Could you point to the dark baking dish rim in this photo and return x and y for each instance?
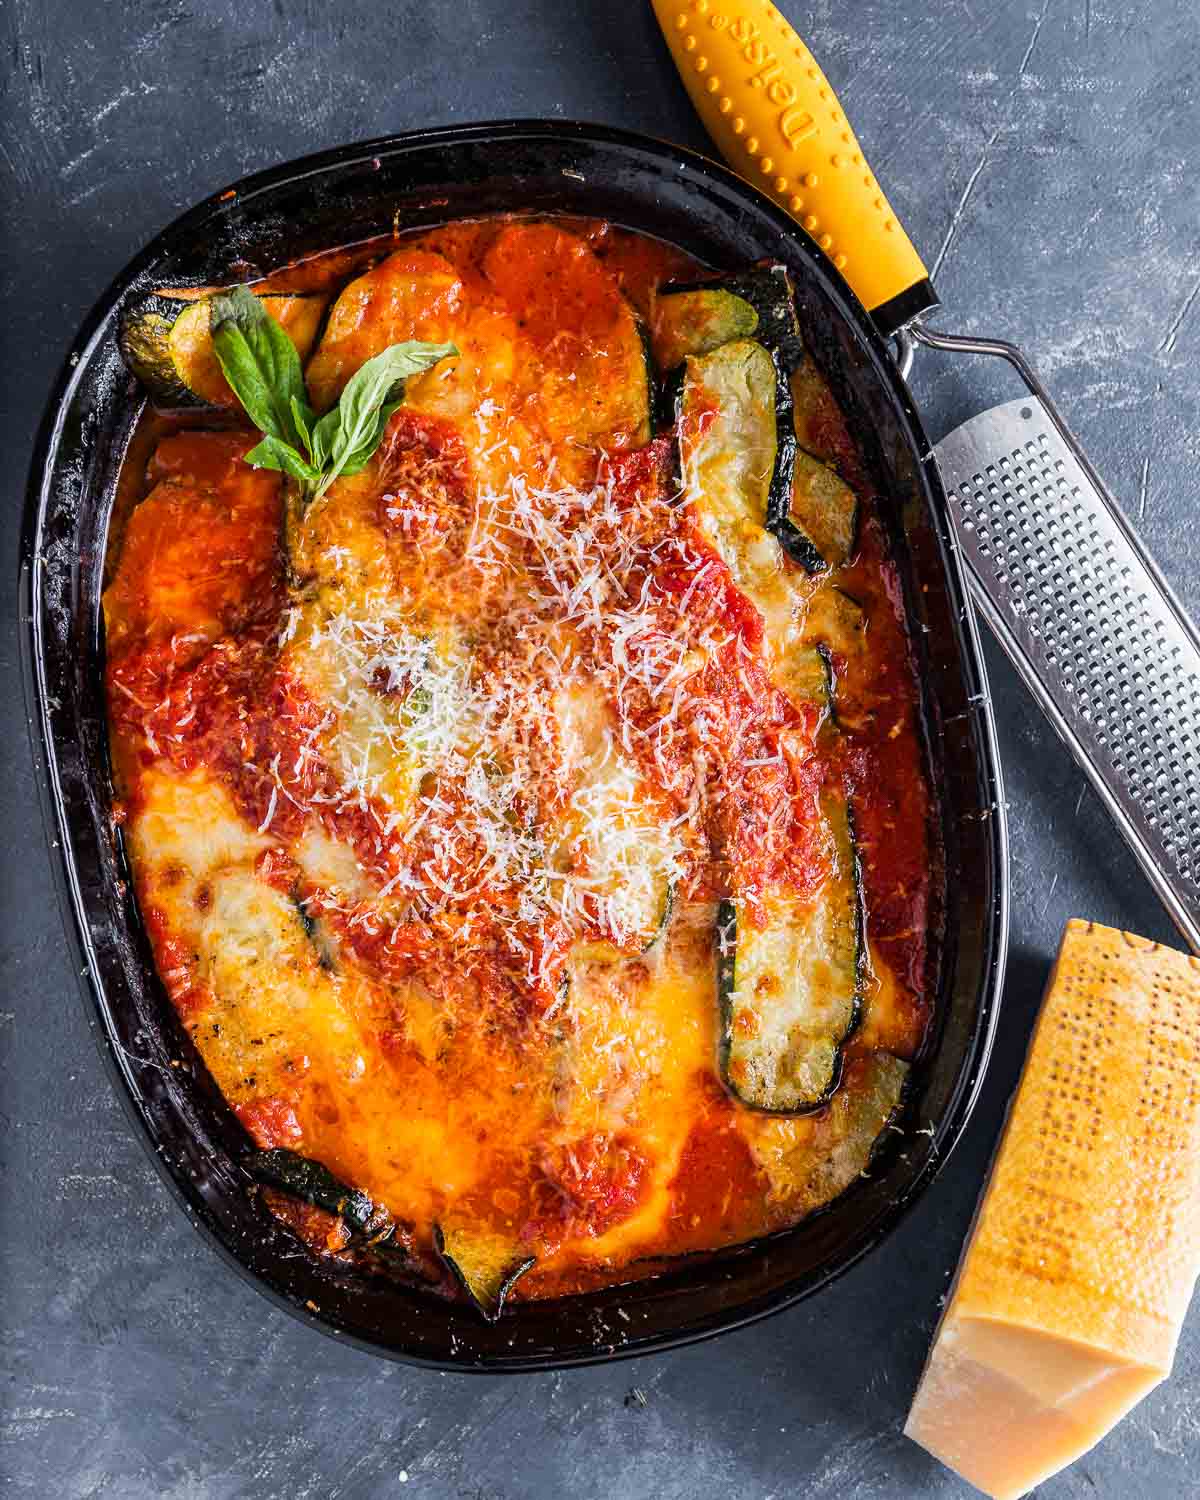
(465, 1346)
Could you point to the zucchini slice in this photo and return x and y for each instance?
(167, 343)
(372, 1228)
(300, 1177)
(837, 622)
(823, 509)
(699, 316)
(611, 839)
(697, 320)
(868, 1101)
(815, 516)
(654, 920)
(791, 991)
(820, 426)
(484, 1263)
(386, 683)
(731, 461)
(845, 1134)
(738, 453)
(794, 539)
(594, 380)
(631, 878)
(735, 469)
(806, 676)
(410, 294)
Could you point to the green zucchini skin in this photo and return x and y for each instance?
(837, 624)
(316, 935)
(373, 1231)
(823, 509)
(486, 1291)
(765, 289)
(795, 542)
(698, 319)
(668, 406)
(667, 914)
(796, 1070)
(770, 292)
(165, 341)
(143, 339)
(810, 679)
(743, 377)
(609, 953)
(300, 1177)
(653, 391)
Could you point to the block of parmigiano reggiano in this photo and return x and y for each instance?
(1078, 1271)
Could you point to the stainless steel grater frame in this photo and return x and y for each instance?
(1084, 615)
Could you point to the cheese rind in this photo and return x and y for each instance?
(1072, 1289)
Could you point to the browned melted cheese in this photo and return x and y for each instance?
(404, 818)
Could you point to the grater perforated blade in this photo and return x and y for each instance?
(1090, 625)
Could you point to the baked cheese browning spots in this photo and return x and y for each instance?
(433, 790)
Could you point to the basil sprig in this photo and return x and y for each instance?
(262, 366)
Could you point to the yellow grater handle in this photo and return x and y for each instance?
(778, 122)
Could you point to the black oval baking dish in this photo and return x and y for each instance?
(353, 194)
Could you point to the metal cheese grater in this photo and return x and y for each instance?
(1054, 567)
(1086, 618)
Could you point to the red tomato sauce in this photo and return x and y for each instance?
(885, 769)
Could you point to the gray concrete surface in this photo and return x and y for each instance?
(1046, 156)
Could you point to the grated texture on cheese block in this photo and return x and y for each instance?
(1070, 1295)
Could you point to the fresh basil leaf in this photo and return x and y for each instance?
(361, 457)
(324, 435)
(377, 383)
(259, 361)
(271, 453)
(305, 418)
(261, 364)
(355, 464)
